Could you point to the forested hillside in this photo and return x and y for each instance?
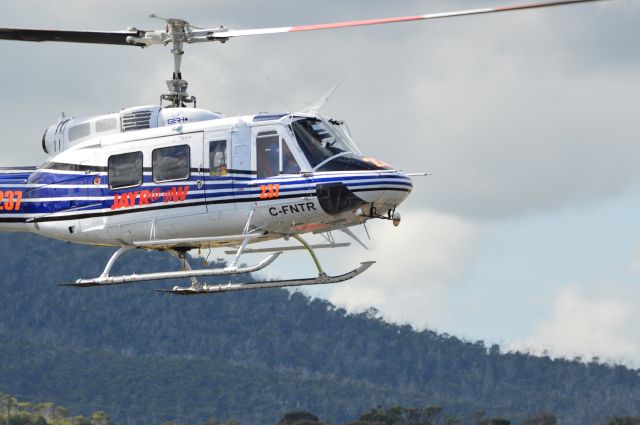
(147, 357)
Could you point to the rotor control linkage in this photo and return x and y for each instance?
(178, 32)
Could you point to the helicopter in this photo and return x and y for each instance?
(173, 177)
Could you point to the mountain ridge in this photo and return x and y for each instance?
(271, 349)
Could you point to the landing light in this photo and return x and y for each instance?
(396, 219)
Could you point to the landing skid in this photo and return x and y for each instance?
(322, 279)
(105, 279)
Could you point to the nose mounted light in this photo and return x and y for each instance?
(396, 219)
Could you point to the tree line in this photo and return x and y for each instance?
(17, 412)
(147, 357)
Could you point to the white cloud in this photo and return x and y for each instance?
(601, 322)
(634, 264)
(514, 113)
(417, 261)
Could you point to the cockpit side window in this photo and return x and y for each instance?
(171, 163)
(318, 141)
(125, 170)
(267, 154)
(218, 158)
(289, 163)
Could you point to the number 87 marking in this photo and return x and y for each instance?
(8, 202)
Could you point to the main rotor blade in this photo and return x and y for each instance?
(189, 34)
(95, 37)
(262, 31)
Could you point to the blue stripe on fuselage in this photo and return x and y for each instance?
(217, 187)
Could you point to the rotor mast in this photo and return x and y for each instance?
(178, 32)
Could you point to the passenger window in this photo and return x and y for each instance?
(218, 158)
(268, 154)
(172, 163)
(79, 131)
(289, 163)
(125, 170)
(106, 124)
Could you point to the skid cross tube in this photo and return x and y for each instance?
(114, 258)
(182, 257)
(313, 254)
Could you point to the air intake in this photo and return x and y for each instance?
(138, 120)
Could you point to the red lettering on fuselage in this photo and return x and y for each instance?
(119, 201)
(131, 198)
(175, 194)
(145, 197)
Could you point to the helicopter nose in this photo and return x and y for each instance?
(395, 187)
(397, 190)
(377, 193)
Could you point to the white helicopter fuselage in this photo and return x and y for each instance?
(199, 182)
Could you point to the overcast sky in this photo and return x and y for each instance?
(526, 234)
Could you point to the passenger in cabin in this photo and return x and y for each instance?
(217, 158)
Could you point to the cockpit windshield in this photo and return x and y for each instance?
(319, 140)
(341, 128)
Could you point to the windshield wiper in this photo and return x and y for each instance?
(330, 159)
